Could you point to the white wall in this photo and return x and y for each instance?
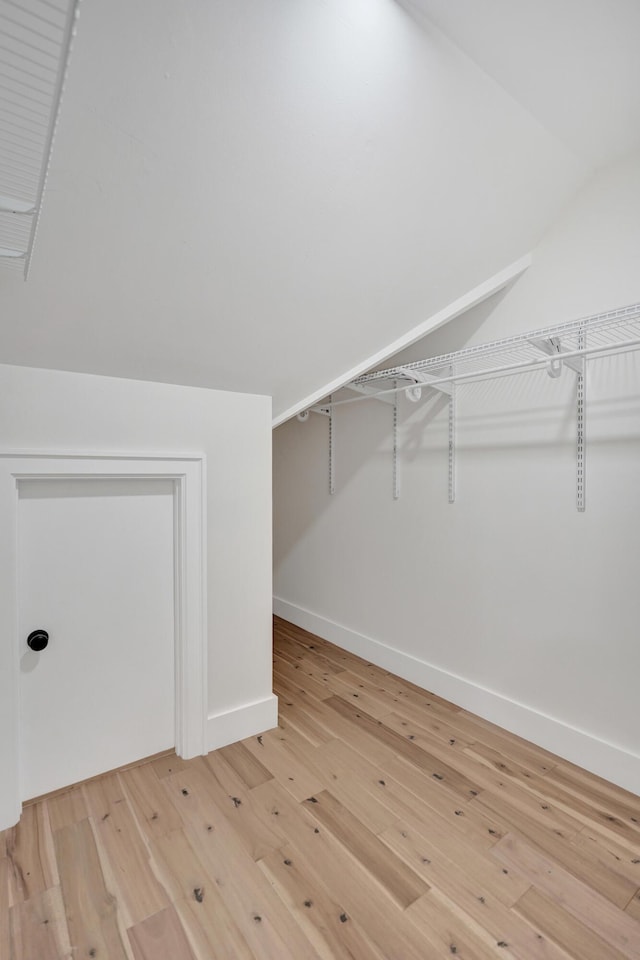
(324, 174)
(51, 411)
(509, 602)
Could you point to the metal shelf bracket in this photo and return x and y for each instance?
(414, 393)
(368, 392)
(552, 346)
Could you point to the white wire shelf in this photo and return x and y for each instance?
(602, 334)
(555, 348)
(35, 42)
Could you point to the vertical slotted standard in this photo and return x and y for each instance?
(332, 479)
(581, 410)
(396, 478)
(452, 443)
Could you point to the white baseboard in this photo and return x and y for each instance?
(605, 759)
(245, 721)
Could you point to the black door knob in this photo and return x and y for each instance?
(38, 640)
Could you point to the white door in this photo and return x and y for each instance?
(95, 568)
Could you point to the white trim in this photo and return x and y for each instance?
(188, 475)
(605, 759)
(41, 454)
(241, 722)
(470, 299)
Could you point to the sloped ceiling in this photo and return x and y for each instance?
(572, 64)
(254, 195)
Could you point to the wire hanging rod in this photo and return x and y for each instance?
(506, 370)
(596, 323)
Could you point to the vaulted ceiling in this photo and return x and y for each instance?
(572, 64)
(254, 195)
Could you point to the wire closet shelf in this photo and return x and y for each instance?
(553, 348)
(603, 334)
(35, 42)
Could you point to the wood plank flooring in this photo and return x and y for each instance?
(378, 821)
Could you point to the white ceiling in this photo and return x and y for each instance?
(573, 64)
(256, 194)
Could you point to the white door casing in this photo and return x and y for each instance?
(187, 475)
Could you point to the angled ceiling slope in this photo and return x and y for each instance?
(255, 195)
(572, 64)
(453, 310)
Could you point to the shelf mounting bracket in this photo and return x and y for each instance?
(414, 392)
(368, 392)
(552, 346)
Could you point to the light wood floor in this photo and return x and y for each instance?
(377, 821)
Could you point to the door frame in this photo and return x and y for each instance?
(188, 473)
